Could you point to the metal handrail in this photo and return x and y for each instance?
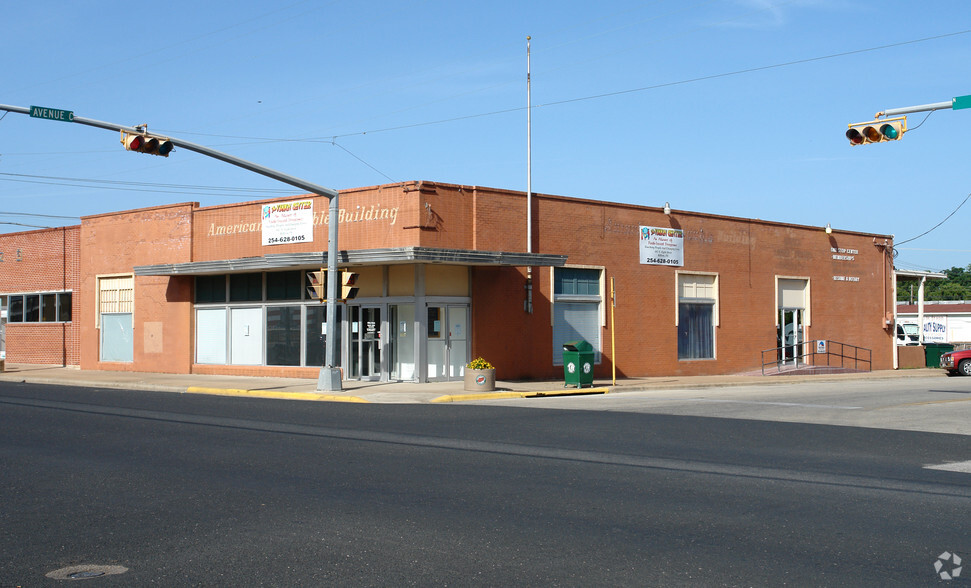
(817, 349)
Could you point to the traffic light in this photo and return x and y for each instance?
(877, 131)
(145, 143)
(348, 289)
(317, 284)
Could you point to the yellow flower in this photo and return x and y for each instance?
(479, 364)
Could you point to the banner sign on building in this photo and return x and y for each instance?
(288, 222)
(662, 246)
(935, 329)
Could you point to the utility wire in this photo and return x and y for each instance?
(38, 215)
(336, 144)
(26, 225)
(937, 225)
(138, 186)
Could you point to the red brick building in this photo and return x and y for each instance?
(445, 275)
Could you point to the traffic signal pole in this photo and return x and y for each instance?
(330, 376)
(922, 108)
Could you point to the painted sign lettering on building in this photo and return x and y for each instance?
(358, 214)
(662, 246)
(288, 222)
(841, 254)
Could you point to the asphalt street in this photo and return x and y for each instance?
(212, 491)
(930, 404)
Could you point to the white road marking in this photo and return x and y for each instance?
(954, 466)
(791, 404)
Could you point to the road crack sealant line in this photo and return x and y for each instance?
(507, 395)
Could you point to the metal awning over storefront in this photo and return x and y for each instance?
(393, 255)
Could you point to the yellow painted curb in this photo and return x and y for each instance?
(271, 394)
(507, 395)
(483, 396)
(568, 392)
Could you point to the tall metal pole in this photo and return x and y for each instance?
(329, 378)
(529, 182)
(529, 155)
(330, 375)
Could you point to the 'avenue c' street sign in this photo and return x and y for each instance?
(52, 113)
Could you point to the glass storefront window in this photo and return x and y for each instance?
(48, 309)
(32, 308)
(283, 335)
(315, 337)
(211, 288)
(45, 308)
(64, 307)
(15, 313)
(434, 322)
(283, 285)
(245, 287)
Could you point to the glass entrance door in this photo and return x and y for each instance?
(365, 342)
(448, 341)
(401, 341)
(790, 335)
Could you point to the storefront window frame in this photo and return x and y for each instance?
(293, 294)
(578, 289)
(56, 306)
(696, 303)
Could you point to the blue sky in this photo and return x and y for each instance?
(731, 107)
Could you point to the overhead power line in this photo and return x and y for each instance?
(139, 186)
(38, 215)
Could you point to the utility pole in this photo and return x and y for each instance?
(528, 304)
(330, 376)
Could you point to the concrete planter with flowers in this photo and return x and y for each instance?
(480, 376)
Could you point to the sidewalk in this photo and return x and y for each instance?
(396, 392)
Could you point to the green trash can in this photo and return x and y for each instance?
(577, 364)
(934, 351)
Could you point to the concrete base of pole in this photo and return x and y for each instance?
(329, 379)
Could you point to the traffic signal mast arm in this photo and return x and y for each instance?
(225, 157)
(330, 378)
(954, 104)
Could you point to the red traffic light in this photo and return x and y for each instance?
(146, 144)
(855, 136)
(134, 142)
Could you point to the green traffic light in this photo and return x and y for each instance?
(889, 131)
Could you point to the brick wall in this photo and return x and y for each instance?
(115, 243)
(848, 274)
(385, 216)
(42, 261)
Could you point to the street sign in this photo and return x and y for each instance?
(961, 102)
(52, 113)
